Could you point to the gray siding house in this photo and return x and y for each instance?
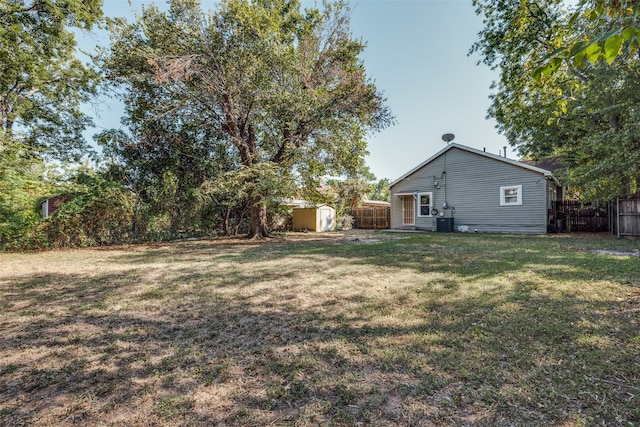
(472, 191)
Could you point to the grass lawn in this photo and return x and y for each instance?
(358, 328)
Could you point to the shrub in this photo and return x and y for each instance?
(280, 219)
(345, 222)
(104, 214)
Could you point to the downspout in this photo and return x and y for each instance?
(445, 204)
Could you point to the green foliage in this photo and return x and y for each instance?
(580, 109)
(280, 218)
(348, 193)
(164, 217)
(381, 191)
(102, 214)
(351, 193)
(18, 192)
(230, 193)
(600, 31)
(42, 83)
(164, 161)
(225, 205)
(25, 179)
(270, 91)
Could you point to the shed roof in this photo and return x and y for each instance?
(474, 151)
(315, 206)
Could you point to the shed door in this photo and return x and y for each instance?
(325, 219)
(408, 210)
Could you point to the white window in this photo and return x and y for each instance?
(425, 201)
(511, 195)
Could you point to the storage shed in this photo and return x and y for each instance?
(318, 218)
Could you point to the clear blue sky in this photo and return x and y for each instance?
(417, 55)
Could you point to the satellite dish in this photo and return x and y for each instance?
(448, 137)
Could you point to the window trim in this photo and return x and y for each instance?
(503, 201)
(430, 193)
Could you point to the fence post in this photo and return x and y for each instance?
(618, 217)
(610, 216)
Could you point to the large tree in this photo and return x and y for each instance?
(585, 113)
(42, 86)
(613, 30)
(164, 149)
(42, 82)
(281, 87)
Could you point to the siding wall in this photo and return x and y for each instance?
(472, 186)
(305, 219)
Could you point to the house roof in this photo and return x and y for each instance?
(545, 172)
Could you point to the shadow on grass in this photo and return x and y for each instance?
(253, 344)
(473, 257)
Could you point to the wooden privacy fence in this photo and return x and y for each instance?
(375, 218)
(628, 218)
(575, 216)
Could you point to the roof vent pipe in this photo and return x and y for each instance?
(505, 151)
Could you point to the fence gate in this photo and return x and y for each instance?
(628, 217)
(372, 218)
(575, 217)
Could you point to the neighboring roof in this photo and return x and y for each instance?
(375, 203)
(294, 202)
(549, 163)
(545, 172)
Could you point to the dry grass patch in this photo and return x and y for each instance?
(335, 329)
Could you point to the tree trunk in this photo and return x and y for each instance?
(240, 219)
(226, 231)
(258, 228)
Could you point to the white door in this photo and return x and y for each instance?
(325, 219)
